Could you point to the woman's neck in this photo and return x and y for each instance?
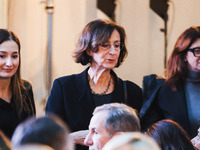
(100, 81)
(5, 91)
(98, 75)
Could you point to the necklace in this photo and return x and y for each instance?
(106, 90)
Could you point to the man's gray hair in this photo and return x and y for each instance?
(120, 118)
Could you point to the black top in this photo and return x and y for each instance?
(72, 100)
(9, 118)
(102, 99)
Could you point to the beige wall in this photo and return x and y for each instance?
(28, 19)
(3, 13)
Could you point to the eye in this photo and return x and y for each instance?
(95, 132)
(197, 50)
(15, 56)
(117, 45)
(2, 56)
(105, 45)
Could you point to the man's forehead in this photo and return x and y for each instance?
(97, 120)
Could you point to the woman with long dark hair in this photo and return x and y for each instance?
(16, 95)
(177, 97)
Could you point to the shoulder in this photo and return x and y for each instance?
(132, 85)
(134, 95)
(152, 81)
(152, 84)
(27, 84)
(71, 81)
(72, 77)
(120, 82)
(64, 79)
(68, 79)
(27, 93)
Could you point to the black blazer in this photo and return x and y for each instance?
(165, 103)
(71, 99)
(174, 106)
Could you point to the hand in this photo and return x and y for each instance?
(79, 136)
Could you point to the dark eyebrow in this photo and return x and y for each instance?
(114, 41)
(6, 52)
(15, 52)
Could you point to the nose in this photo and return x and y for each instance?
(9, 61)
(88, 140)
(112, 49)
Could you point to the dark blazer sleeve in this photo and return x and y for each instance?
(55, 103)
(150, 113)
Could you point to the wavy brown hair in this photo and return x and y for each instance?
(177, 67)
(19, 92)
(95, 33)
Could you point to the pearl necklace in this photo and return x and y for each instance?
(106, 90)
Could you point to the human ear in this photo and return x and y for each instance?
(89, 52)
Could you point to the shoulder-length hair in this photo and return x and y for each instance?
(177, 67)
(16, 85)
(170, 135)
(95, 33)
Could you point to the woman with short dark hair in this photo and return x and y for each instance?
(73, 98)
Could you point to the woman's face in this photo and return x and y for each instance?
(193, 62)
(9, 59)
(107, 55)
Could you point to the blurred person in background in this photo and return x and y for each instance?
(132, 141)
(170, 135)
(5, 143)
(47, 130)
